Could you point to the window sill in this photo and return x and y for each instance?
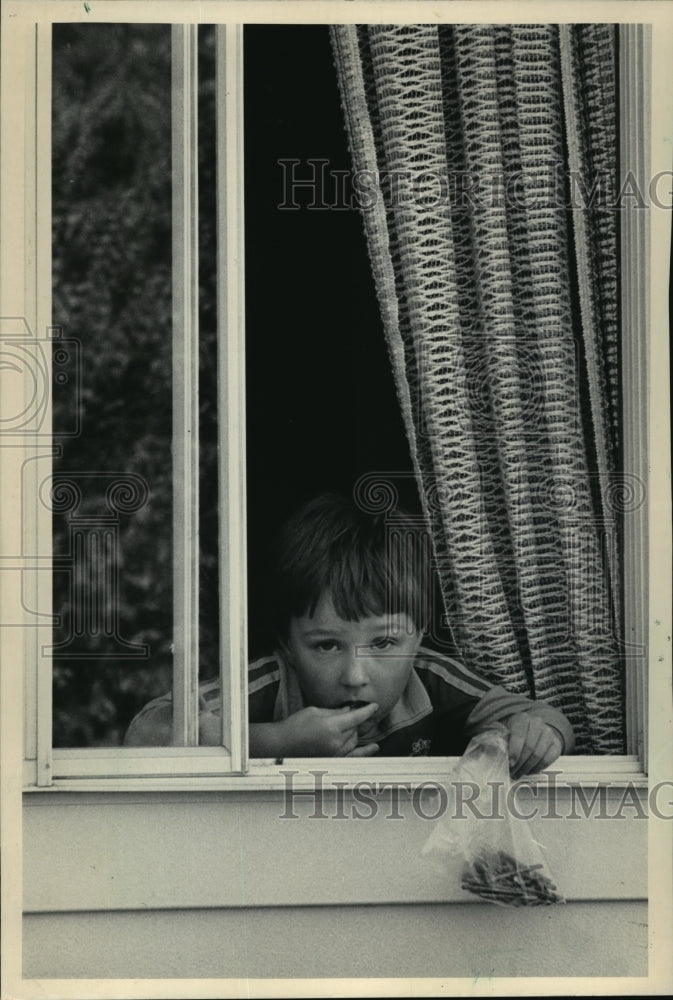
(86, 773)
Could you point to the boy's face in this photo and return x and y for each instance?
(341, 662)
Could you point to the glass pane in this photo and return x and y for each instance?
(111, 492)
(209, 608)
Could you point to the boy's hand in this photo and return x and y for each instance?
(533, 745)
(326, 732)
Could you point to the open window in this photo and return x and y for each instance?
(194, 356)
(136, 427)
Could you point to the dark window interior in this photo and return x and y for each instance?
(321, 403)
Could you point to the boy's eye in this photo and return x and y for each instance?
(385, 642)
(326, 645)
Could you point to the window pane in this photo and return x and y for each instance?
(111, 491)
(209, 608)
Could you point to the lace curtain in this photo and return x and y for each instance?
(500, 312)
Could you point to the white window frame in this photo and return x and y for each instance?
(45, 767)
(26, 291)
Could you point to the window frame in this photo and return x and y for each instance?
(44, 765)
(192, 768)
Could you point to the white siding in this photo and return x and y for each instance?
(581, 939)
(221, 885)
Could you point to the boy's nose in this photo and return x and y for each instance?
(353, 673)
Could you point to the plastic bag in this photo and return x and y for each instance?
(501, 861)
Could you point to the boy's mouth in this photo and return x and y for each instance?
(353, 704)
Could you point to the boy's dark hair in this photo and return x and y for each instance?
(372, 564)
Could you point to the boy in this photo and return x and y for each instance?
(350, 676)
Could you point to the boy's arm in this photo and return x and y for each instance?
(153, 725)
(266, 739)
(497, 705)
(538, 733)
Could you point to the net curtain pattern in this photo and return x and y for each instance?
(500, 312)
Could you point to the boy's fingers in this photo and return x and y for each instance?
(531, 754)
(351, 718)
(366, 751)
(548, 747)
(518, 731)
(554, 750)
(360, 715)
(349, 744)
